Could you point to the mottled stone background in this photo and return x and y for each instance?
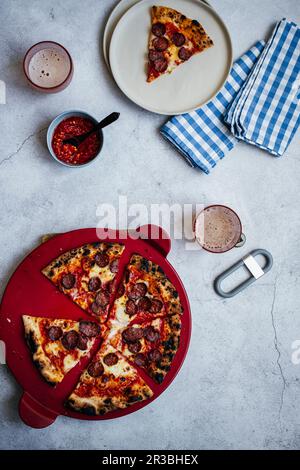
(238, 387)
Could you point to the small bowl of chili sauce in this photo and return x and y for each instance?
(70, 124)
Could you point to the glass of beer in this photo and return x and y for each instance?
(218, 229)
(48, 67)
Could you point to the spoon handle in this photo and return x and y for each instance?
(105, 122)
(108, 120)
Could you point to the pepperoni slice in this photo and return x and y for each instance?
(82, 343)
(144, 304)
(154, 55)
(156, 306)
(110, 359)
(140, 360)
(178, 39)
(131, 308)
(154, 355)
(109, 286)
(97, 309)
(114, 266)
(131, 334)
(70, 339)
(160, 65)
(158, 29)
(134, 347)
(160, 44)
(137, 291)
(94, 284)
(120, 291)
(95, 369)
(54, 333)
(102, 259)
(68, 281)
(151, 334)
(89, 328)
(184, 53)
(102, 298)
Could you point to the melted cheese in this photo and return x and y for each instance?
(120, 310)
(121, 369)
(48, 350)
(171, 54)
(104, 273)
(69, 362)
(53, 348)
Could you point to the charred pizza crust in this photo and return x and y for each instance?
(114, 383)
(192, 29)
(151, 345)
(86, 274)
(162, 284)
(51, 358)
(168, 348)
(116, 386)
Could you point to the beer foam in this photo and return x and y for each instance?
(218, 229)
(49, 68)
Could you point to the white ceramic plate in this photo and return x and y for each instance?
(192, 84)
(112, 22)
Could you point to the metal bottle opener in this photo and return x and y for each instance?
(252, 265)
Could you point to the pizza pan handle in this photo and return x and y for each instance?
(34, 414)
(157, 237)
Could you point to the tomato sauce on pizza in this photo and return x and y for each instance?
(173, 40)
(135, 321)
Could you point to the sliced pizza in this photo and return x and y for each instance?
(87, 274)
(151, 345)
(173, 40)
(109, 383)
(58, 345)
(145, 293)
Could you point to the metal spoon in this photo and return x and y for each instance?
(78, 139)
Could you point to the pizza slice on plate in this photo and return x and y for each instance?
(86, 274)
(151, 345)
(109, 383)
(58, 345)
(144, 294)
(173, 40)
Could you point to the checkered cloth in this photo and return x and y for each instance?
(266, 111)
(202, 136)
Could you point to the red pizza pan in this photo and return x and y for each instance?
(29, 292)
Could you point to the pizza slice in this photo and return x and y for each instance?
(58, 345)
(87, 274)
(151, 345)
(173, 40)
(145, 293)
(109, 383)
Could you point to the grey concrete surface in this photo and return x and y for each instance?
(238, 387)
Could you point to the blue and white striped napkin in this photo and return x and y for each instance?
(203, 138)
(266, 111)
